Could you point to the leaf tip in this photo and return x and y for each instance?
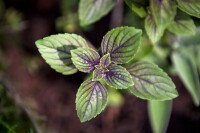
(175, 93)
(38, 42)
(84, 23)
(81, 119)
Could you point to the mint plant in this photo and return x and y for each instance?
(69, 53)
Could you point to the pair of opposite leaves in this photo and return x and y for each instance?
(67, 53)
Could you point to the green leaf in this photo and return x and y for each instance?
(151, 82)
(97, 75)
(153, 31)
(85, 59)
(189, 40)
(135, 7)
(56, 49)
(91, 100)
(159, 115)
(182, 27)
(91, 11)
(163, 12)
(188, 48)
(118, 77)
(184, 63)
(122, 43)
(105, 60)
(191, 7)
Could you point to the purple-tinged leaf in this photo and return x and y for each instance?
(122, 43)
(151, 82)
(154, 32)
(118, 77)
(91, 99)
(163, 12)
(55, 49)
(105, 60)
(97, 75)
(85, 59)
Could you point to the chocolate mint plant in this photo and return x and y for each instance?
(69, 53)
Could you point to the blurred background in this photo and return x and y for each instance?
(36, 99)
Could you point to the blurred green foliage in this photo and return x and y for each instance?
(68, 21)
(159, 115)
(12, 120)
(186, 62)
(11, 20)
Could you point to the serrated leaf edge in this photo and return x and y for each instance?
(101, 108)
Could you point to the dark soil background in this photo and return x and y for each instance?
(49, 97)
